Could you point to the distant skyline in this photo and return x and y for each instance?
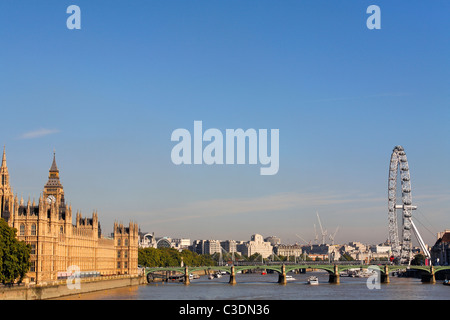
(107, 97)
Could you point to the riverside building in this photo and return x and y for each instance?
(56, 243)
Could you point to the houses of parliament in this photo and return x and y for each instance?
(56, 243)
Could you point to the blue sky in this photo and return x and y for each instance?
(107, 98)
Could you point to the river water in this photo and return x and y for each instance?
(265, 287)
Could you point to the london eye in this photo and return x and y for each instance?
(401, 244)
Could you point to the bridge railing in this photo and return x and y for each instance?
(357, 262)
(279, 263)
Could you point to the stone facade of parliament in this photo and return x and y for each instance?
(56, 243)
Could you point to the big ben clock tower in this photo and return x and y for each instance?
(53, 189)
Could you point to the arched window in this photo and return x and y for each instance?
(126, 242)
(22, 229)
(33, 229)
(61, 229)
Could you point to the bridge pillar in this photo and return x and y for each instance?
(385, 276)
(282, 275)
(430, 277)
(187, 281)
(335, 277)
(433, 277)
(232, 276)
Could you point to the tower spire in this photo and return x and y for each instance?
(6, 192)
(54, 167)
(4, 158)
(53, 188)
(4, 169)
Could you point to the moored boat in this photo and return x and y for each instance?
(313, 280)
(193, 276)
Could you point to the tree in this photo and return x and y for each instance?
(346, 257)
(419, 260)
(170, 257)
(14, 255)
(255, 257)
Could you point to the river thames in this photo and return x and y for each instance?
(265, 287)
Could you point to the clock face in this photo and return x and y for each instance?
(51, 199)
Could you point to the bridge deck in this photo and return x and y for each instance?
(331, 268)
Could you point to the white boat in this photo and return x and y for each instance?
(289, 278)
(218, 275)
(313, 280)
(364, 273)
(193, 276)
(210, 276)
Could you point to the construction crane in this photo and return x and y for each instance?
(316, 237)
(324, 232)
(308, 243)
(333, 235)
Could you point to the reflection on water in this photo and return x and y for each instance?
(265, 287)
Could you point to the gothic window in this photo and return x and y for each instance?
(118, 254)
(61, 229)
(33, 229)
(22, 229)
(33, 248)
(126, 242)
(118, 242)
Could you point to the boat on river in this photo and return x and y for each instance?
(193, 276)
(289, 278)
(313, 280)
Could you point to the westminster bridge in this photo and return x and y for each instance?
(334, 270)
